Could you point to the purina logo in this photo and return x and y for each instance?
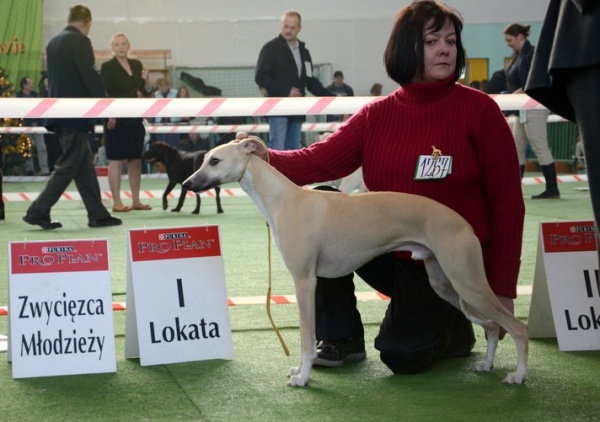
(170, 236)
(58, 249)
(582, 229)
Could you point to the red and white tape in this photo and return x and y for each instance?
(36, 108)
(74, 196)
(229, 192)
(249, 128)
(173, 128)
(176, 107)
(371, 296)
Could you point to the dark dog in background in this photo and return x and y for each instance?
(179, 166)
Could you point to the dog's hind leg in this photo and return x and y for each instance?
(519, 333)
(442, 286)
(492, 335)
(481, 306)
(218, 197)
(305, 295)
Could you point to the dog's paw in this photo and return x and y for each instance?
(297, 381)
(196, 212)
(484, 366)
(296, 378)
(293, 371)
(165, 205)
(515, 378)
(175, 209)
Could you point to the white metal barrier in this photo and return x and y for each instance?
(37, 108)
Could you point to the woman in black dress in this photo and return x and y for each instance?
(125, 78)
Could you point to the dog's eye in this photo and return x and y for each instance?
(214, 161)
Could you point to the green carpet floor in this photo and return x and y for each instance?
(252, 386)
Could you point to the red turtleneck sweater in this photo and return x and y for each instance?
(387, 137)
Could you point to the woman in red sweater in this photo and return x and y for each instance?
(394, 139)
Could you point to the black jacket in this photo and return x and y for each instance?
(276, 70)
(570, 39)
(519, 69)
(118, 83)
(71, 73)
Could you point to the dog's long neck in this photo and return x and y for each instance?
(268, 188)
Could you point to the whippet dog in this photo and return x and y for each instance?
(331, 234)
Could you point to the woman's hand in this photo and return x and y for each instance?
(261, 151)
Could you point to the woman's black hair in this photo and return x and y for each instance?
(404, 54)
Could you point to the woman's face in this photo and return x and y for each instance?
(515, 42)
(439, 55)
(120, 46)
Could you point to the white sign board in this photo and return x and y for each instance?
(177, 308)
(566, 292)
(60, 308)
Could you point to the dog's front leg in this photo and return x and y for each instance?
(168, 189)
(218, 196)
(305, 295)
(197, 209)
(180, 201)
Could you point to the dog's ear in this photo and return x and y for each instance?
(247, 146)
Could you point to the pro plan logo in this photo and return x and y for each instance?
(570, 236)
(175, 243)
(40, 257)
(171, 236)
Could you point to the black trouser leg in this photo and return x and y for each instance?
(583, 88)
(419, 327)
(337, 317)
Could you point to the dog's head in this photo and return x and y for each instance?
(223, 164)
(158, 151)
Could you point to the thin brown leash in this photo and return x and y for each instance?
(279, 336)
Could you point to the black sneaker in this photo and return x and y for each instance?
(44, 223)
(335, 353)
(105, 222)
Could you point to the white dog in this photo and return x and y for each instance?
(331, 234)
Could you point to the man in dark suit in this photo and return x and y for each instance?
(71, 73)
(284, 69)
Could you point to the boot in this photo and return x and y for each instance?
(551, 191)
(522, 167)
